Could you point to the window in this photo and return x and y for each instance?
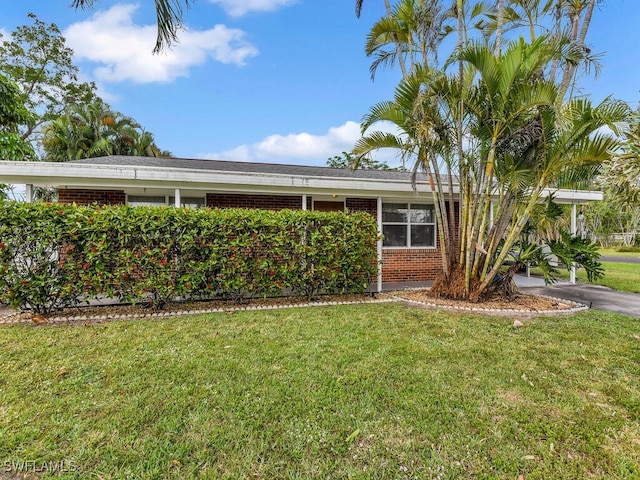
(408, 225)
(160, 200)
(188, 202)
(146, 201)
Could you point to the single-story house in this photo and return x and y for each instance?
(405, 215)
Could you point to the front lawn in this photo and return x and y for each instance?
(629, 252)
(368, 391)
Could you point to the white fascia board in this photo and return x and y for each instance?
(564, 196)
(107, 176)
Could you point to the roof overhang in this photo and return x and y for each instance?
(78, 175)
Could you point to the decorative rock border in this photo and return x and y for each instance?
(16, 318)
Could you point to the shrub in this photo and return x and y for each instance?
(53, 256)
(32, 273)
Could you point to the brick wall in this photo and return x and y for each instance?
(369, 205)
(87, 197)
(266, 202)
(410, 264)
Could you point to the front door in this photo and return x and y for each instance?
(321, 206)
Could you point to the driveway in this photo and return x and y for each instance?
(595, 296)
(620, 259)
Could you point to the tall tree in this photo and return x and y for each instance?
(621, 176)
(169, 16)
(37, 59)
(580, 13)
(348, 160)
(409, 36)
(514, 138)
(13, 115)
(93, 130)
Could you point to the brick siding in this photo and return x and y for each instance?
(410, 264)
(266, 202)
(369, 205)
(87, 197)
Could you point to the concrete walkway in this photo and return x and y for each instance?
(594, 296)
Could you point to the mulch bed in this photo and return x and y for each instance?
(519, 304)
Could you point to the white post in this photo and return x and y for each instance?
(28, 193)
(379, 211)
(304, 201)
(178, 201)
(572, 276)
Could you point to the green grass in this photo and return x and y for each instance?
(369, 391)
(624, 277)
(625, 252)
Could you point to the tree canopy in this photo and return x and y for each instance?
(44, 105)
(94, 129)
(496, 118)
(169, 19)
(37, 58)
(13, 115)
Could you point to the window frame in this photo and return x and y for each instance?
(408, 225)
(169, 201)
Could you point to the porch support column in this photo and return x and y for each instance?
(572, 276)
(304, 201)
(28, 193)
(178, 201)
(379, 212)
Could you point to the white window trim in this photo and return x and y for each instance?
(167, 200)
(408, 225)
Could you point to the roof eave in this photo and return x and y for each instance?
(123, 176)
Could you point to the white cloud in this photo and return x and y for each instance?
(123, 49)
(237, 8)
(303, 148)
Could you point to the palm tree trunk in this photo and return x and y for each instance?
(500, 22)
(579, 41)
(557, 31)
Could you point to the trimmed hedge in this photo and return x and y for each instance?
(54, 256)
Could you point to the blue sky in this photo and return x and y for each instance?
(282, 81)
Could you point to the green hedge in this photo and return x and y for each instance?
(54, 256)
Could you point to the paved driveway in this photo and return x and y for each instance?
(620, 259)
(595, 296)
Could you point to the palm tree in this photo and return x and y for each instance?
(517, 144)
(414, 30)
(93, 130)
(169, 15)
(140, 143)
